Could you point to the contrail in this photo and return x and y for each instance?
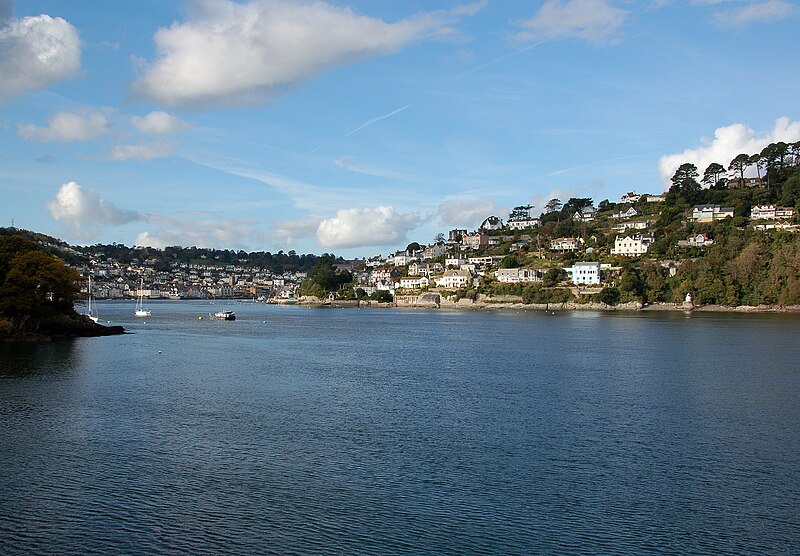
(502, 58)
(379, 118)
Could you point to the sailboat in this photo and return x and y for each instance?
(89, 309)
(140, 310)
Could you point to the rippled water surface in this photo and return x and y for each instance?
(295, 431)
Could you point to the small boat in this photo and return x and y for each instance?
(224, 315)
(90, 311)
(140, 310)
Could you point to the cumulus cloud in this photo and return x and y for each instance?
(36, 52)
(466, 213)
(287, 231)
(84, 208)
(355, 227)
(590, 20)
(159, 123)
(67, 127)
(228, 53)
(771, 10)
(728, 142)
(147, 151)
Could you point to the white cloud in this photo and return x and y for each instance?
(147, 151)
(229, 53)
(371, 226)
(290, 230)
(36, 52)
(159, 123)
(218, 234)
(465, 213)
(591, 20)
(771, 10)
(81, 208)
(67, 127)
(728, 142)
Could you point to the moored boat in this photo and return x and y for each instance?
(224, 315)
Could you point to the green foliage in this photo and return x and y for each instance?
(609, 296)
(36, 284)
(382, 296)
(324, 278)
(552, 277)
(510, 261)
(541, 295)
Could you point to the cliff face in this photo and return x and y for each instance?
(57, 326)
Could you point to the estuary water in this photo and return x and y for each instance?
(378, 431)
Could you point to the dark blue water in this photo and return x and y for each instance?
(297, 431)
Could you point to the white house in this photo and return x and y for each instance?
(518, 275)
(455, 261)
(633, 225)
(485, 261)
(630, 198)
(414, 282)
(584, 273)
(452, 279)
(563, 244)
(492, 223)
(768, 212)
(710, 213)
(586, 215)
(403, 259)
(523, 223)
(655, 198)
(632, 245)
(630, 212)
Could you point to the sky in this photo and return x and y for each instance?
(357, 127)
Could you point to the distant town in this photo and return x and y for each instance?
(732, 242)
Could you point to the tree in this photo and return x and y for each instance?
(738, 165)
(510, 261)
(685, 179)
(712, 174)
(553, 205)
(413, 247)
(37, 284)
(576, 204)
(439, 238)
(609, 296)
(552, 277)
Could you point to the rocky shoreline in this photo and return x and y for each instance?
(28, 329)
(436, 301)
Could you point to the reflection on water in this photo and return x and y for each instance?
(295, 430)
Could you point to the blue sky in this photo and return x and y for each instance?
(358, 127)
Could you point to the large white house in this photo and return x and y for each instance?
(414, 282)
(584, 273)
(631, 246)
(769, 212)
(517, 275)
(452, 279)
(710, 213)
(523, 223)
